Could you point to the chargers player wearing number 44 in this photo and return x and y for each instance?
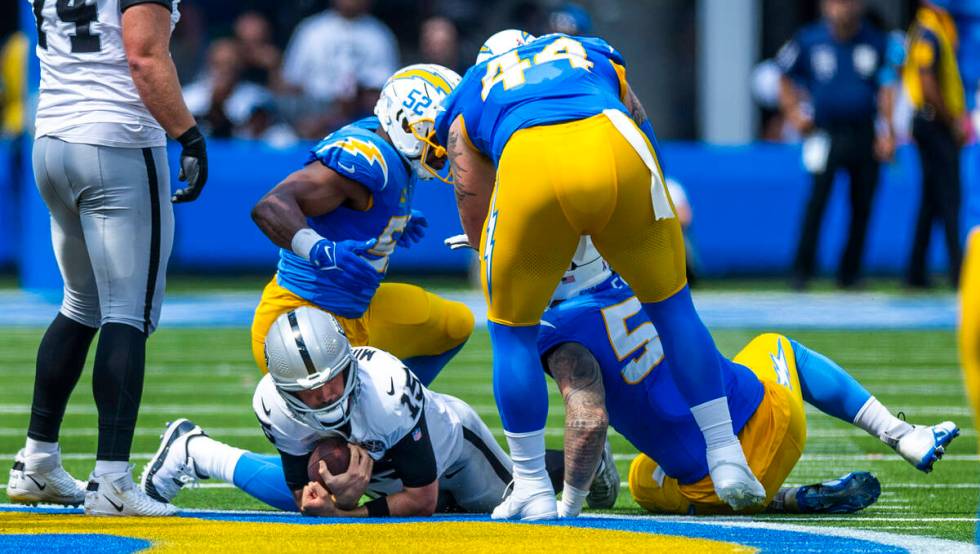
(548, 143)
(341, 216)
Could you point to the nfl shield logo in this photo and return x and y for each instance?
(417, 434)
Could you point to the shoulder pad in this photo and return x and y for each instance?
(283, 430)
(356, 156)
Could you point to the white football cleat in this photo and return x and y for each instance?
(923, 446)
(734, 482)
(528, 501)
(172, 466)
(115, 494)
(40, 479)
(605, 483)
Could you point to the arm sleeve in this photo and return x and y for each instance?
(126, 4)
(294, 470)
(412, 457)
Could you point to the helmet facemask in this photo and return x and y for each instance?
(407, 109)
(306, 349)
(332, 416)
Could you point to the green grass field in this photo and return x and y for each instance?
(208, 376)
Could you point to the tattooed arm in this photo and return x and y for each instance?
(579, 380)
(634, 106)
(473, 178)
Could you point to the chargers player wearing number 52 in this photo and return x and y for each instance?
(553, 131)
(341, 216)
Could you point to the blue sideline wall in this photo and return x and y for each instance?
(747, 202)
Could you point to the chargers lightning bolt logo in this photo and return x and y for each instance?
(488, 251)
(780, 366)
(357, 147)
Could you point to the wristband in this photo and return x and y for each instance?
(378, 507)
(303, 241)
(190, 136)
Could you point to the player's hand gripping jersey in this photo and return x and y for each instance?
(360, 154)
(494, 105)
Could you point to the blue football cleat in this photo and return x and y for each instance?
(923, 446)
(852, 492)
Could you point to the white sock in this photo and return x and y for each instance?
(875, 418)
(215, 459)
(103, 466)
(40, 447)
(715, 421)
(572, 500)
(527, 453)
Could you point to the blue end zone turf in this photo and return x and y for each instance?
(103, 544)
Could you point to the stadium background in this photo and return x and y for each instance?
(692, 64)
(747, 187)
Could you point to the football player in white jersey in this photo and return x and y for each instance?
(413, 450)
(108, 98)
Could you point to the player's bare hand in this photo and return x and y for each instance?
(348, 487)
(193, 165)
(884, 147)
(316, 501)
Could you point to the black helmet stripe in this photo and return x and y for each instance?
(301, 344)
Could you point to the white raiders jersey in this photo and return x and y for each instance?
(87, 93)
(387, 405)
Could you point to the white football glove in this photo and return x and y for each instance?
(456, 242)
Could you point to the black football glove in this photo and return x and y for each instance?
(193, 165)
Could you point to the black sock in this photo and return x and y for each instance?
(554, 463)
(60, 359)
(117, 383)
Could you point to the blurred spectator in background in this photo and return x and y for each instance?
(840, 64)
(439, 43)
(261, 58)
(262, 122)
(939, 127)
(13, 79)
(338, 60)
(219, 99)
(571, 19)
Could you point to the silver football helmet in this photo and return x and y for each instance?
(306, 348)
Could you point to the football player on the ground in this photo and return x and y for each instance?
(108, 98)
(339, 218)
(609, 364)
(410, 447)
(548, 143)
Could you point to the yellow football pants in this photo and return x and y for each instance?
(969, 329)
(773, 438)
(556, 183)
(404, 320)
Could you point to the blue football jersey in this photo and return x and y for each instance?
(642, 398)
(552, 79)
(359, 154)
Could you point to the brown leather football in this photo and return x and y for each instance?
(332, 450)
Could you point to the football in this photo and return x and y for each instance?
(332, 450)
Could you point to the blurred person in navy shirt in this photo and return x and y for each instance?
(836, 82)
